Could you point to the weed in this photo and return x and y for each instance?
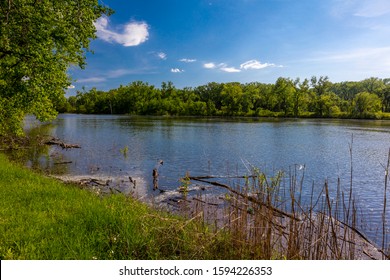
(125, 151)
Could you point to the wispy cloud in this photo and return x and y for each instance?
(221, 66)
(373, 8)
(212, 65)
(91, 80)
(159, 55)
(248, 65)
(111, 74)
(362, 8)
(372, 55)
(187, 60)
(162, 55)
(230, 69)
(177, 70)
(209, 65)
(121, 72)
(132, 33)
(356, 62)
(254, 64)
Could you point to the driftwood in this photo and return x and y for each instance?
(63, 162)
(63, 145)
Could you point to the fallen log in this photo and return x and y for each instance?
(63, 145)
(63, 162)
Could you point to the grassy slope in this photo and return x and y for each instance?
(41, 218)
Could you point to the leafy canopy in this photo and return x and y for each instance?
(39, 41)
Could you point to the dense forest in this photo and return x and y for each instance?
(317, 97)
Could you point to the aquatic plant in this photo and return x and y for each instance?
(125, 151)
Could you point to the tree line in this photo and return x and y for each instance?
(315, 97)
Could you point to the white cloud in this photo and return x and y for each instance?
(251, 64)
(71, 86)
(105, 75)
(373, 8)
(92, 80)
(121, 72)
(357, 63)
(162, 55)
(370, 55)
(230, 69)
(187, 60)
(176, 70)
(248, 65)
(209, 65)
(222, 66)
(362, 8)
(254, 64)
(133, 33)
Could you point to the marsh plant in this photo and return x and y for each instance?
(267, 217)
(124, 151)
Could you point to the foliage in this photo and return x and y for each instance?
(365, 104)
(39, 40)
(317, 97)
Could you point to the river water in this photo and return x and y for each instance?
(319, 150)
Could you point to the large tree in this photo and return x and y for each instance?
(366, 104)
(39, 41)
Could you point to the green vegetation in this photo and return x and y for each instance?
(38, 43)
(42, 218)
(317, 97)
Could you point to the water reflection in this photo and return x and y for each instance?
(39, 156)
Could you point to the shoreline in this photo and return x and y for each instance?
(353, 241)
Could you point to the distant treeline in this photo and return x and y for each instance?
(315, 97)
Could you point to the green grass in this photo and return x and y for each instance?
(41, 218)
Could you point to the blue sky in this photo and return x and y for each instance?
(193, 42)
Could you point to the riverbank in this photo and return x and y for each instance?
(43, 218)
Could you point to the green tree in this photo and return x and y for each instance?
(372, 85)
(346, 90)
(386, 98)
(300, 97)
(39, 40)
(266, 100)
(285, 91)
(328, 105)
(251, 97)
(211, 95)
(320, 85)
(232, 99)
(366, 104)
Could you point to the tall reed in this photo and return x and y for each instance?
(268, 219)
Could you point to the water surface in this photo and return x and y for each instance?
(318, 149)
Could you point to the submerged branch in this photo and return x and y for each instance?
(250, 198)
(63, 145)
